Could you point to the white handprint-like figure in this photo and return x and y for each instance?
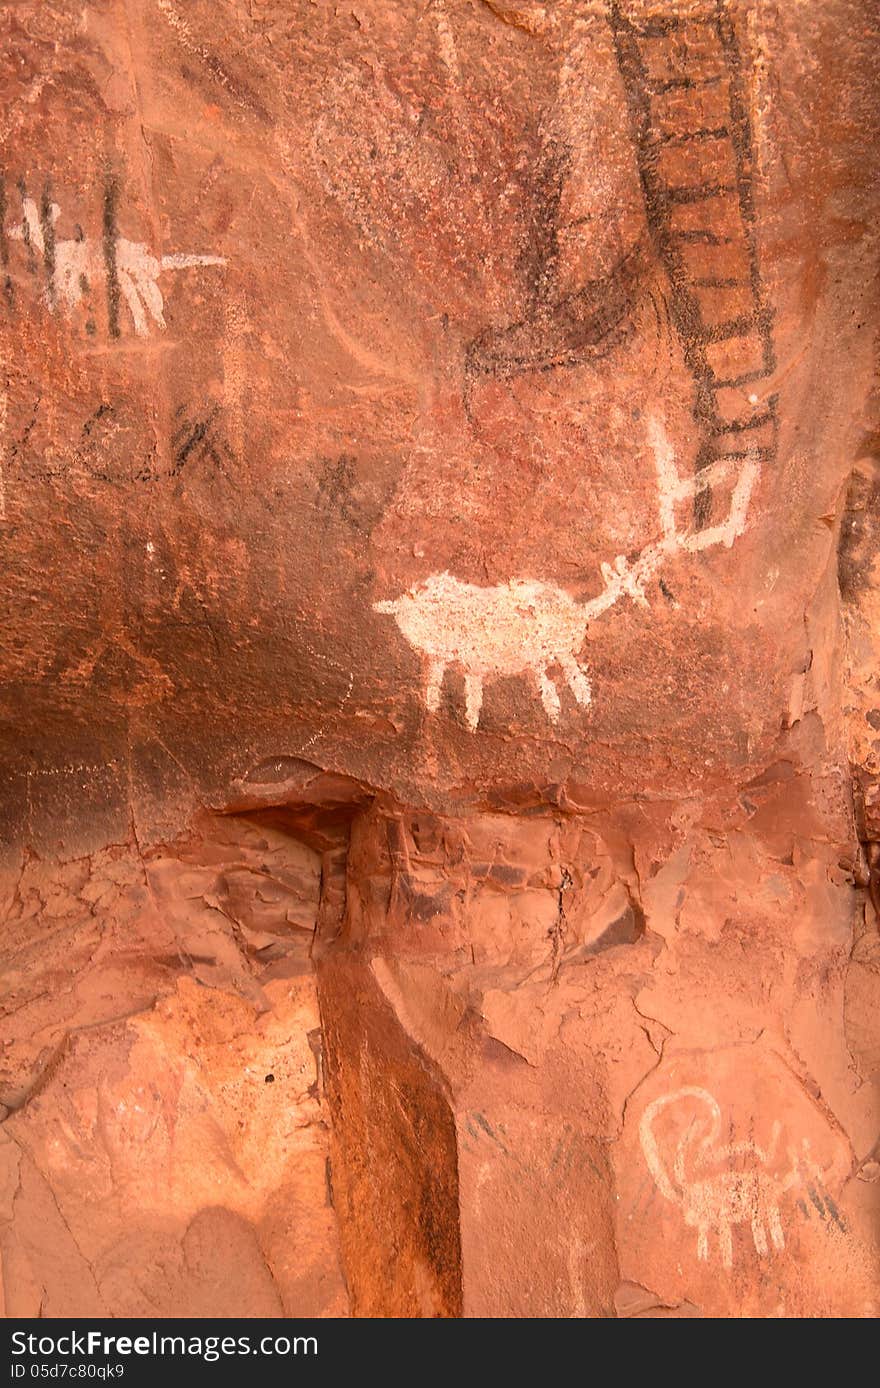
(79, 264)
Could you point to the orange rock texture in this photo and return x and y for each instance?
(440, 703)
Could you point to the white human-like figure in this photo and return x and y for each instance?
(79, 264)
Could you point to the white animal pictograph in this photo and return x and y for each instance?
(710, 1197)
(525, 626)
(79, 264)
(516, 627)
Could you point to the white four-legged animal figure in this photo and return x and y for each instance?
(525, 626)
(750, 1193)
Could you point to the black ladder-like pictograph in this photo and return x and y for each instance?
(683, 76)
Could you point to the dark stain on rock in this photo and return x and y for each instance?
(569, 331)
(507, 876)
(859, 541)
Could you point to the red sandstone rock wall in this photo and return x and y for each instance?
(164, 1149)
(439, 724)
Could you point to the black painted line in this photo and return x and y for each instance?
(762, 455)
(111, 236)
(816, 1200)
(26, 231)
(48, 229)
(710, 282)
(711, 238)
(744, 425)
(689, 192)
(197, 435)
(685, 84)
(755, 421)
(734, 382)
(183, 428)
(685, 137)
(664, 25)
(4, 245)
(835, 1213)
(746, 325)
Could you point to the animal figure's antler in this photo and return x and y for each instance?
(631, 576)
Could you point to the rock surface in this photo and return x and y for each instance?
(440, 840)
(164, 1151)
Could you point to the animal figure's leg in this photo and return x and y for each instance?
(725, 1243)
(759, 1237)
(578, 680)
(473, 700)
(775, 1225)
(703, 1244)
(436, 671)
(549, 695)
